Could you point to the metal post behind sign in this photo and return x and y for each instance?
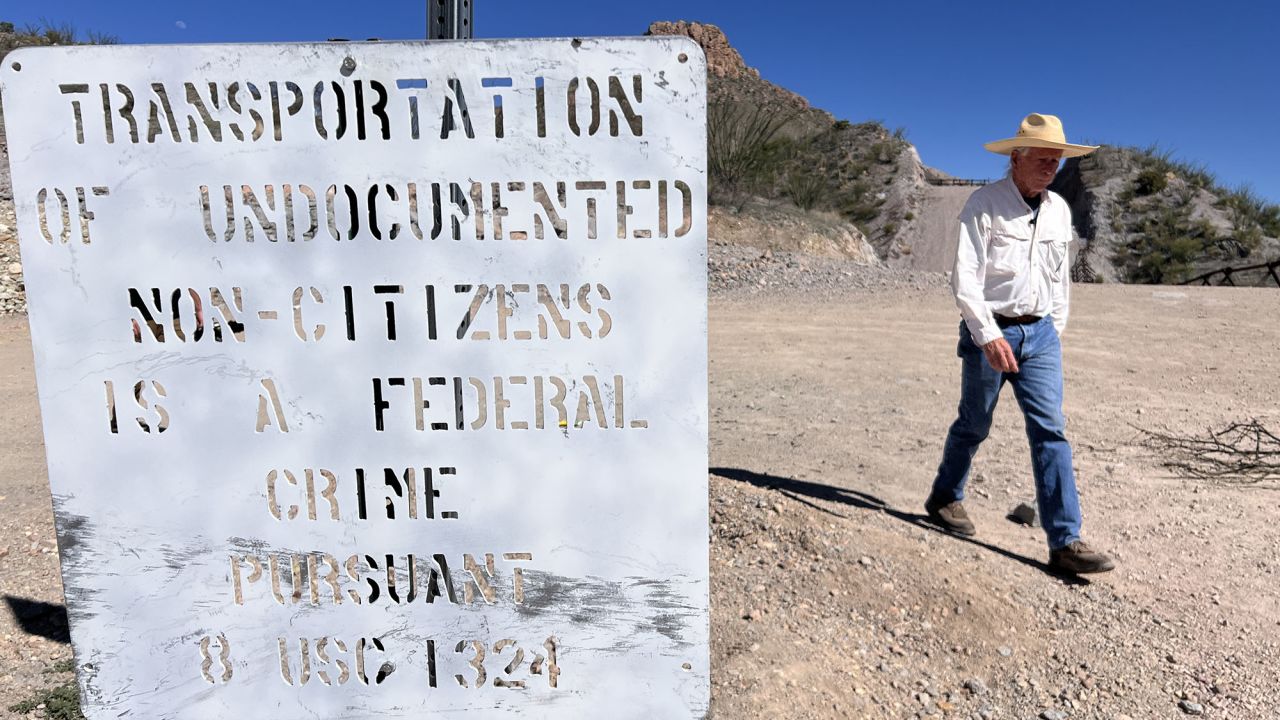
(449, 19)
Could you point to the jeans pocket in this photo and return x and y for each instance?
(966, 344)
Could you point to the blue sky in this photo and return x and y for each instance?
(1197, 78)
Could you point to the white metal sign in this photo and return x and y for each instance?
(373, 376)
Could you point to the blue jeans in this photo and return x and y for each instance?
(1038, 389)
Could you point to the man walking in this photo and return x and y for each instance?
(1012, 284)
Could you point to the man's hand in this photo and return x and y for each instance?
(1000, 355)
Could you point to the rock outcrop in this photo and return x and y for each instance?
(722, 59)
(773, 225)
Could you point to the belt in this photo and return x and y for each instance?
(1004, 322)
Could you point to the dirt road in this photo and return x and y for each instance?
(830, 598)
(934, 248)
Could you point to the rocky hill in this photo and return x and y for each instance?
(858, 186)
(1147, 218)
(787, 176)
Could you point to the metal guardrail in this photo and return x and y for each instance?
(1228, 272)
(945, 182)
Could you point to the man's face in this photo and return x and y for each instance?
(1034, 168)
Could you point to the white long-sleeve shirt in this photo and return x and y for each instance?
(1007, 265)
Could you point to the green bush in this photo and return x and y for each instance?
(1159, 160)
(60, 703)
(1248, 209)
(805, 188)
(857, 205)
(1165, 243)
(1149, 182)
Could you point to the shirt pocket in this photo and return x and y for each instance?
(1053, 254)
(1007, 252)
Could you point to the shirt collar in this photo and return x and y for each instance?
(1017, 194)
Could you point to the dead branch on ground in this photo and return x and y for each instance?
(1243, 452)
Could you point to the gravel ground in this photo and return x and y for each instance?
(831, 598)
(13, 298)
(737, 271)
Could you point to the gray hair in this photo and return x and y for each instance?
(1008, 170)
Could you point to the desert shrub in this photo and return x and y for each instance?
(59, 703)
(1165, 243)
(841, 125)
(1248, 209)
(1242, 243)
(1196, 175)
(1153, 158)
(47, 33)
(859, 213)
(1269, 220)
(743, 148)
(885, 151)
(1149, 182)
(1244, 205)
(1158, 156)
(857, 204)
(806, 188)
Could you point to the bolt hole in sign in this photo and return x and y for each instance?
(373, 376)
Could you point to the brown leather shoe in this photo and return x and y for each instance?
(950, 516)
(1078, 558)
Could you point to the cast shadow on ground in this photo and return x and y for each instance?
(35, 617)
(798, 490)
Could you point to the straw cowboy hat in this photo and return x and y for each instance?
(1040, 131)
